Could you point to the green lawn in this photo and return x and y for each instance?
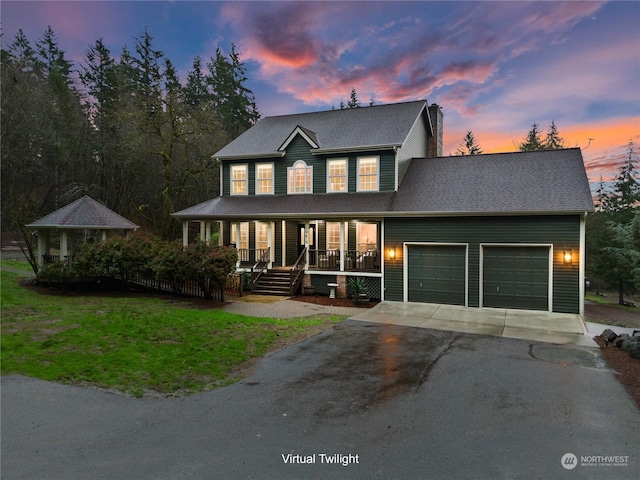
(132, 344)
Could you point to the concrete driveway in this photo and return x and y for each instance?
(559, 328)
(360, 400)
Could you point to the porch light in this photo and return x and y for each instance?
(392, 253)
(567, 256)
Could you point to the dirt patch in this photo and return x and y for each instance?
(612, 315)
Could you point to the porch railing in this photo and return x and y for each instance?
(249, 256)
(354, 260)
(297, 273)
(260, 267)
(50, 258)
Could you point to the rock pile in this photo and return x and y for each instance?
(624, 341)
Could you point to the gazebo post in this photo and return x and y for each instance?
(207, 234)
(185, 233)
(64, 246)
(43, 245)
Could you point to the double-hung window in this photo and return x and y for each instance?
(368, 174)
(243, 241)
(333, 236)
(262, 235)
(239, 182)
(337, 175)
(264, 179)
(300, 178)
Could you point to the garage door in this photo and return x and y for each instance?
(516, 277)
(436, 274)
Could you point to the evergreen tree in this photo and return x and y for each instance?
(234, 101)
(469, 146)
(353, 99)
(627, 189)
(532, 142)
(553, 140)
(195, 90)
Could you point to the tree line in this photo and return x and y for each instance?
(613, 232)
(123, 129)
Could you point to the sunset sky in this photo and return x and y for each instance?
(494, 67)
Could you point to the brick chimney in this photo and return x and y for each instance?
(434, 147)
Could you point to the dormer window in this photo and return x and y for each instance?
(239, 180)
(337, 175)
(300, 178)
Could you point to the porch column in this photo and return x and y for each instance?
(203, 232)
(306, 243)
(270, 242)
(342, 246)
(236, 226)
(207, 232)
(284, 243)
(43, 245)
(220, 233)
(63, 244)
(185, 234)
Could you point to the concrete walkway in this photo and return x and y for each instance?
(558, 328)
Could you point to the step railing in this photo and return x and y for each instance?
(297, 273)
(260, 267)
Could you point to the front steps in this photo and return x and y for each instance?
(273, 282)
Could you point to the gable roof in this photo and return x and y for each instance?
(516, 183)
(545, 181)
(379, 126)
(84, 213)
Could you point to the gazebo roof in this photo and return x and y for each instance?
(84, 213)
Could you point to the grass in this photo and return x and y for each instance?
(20, 265)
(137, 345)
(611, 299)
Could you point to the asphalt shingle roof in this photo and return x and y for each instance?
(541, 182)
(333, 129)
(84, 213)
(517, 182)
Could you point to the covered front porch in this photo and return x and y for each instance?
(320, 245)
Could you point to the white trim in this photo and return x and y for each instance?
(346, 174)
(273, 174)
(368, 157)
(382, 261)
(541, 245)
(292, 135)
(246, 180)
(405, 265)
(283, 261)
(581, 267)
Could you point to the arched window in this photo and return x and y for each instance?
(300, 178)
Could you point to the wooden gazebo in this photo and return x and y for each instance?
(83, 214)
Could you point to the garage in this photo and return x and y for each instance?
(437, 274)
(515, 277)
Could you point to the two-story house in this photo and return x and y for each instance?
(366, 193)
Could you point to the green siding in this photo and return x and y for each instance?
(292, 242)
(560, 231)
(299, 149)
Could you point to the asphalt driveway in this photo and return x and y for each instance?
(360, 400)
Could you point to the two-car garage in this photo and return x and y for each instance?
(510, 275)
